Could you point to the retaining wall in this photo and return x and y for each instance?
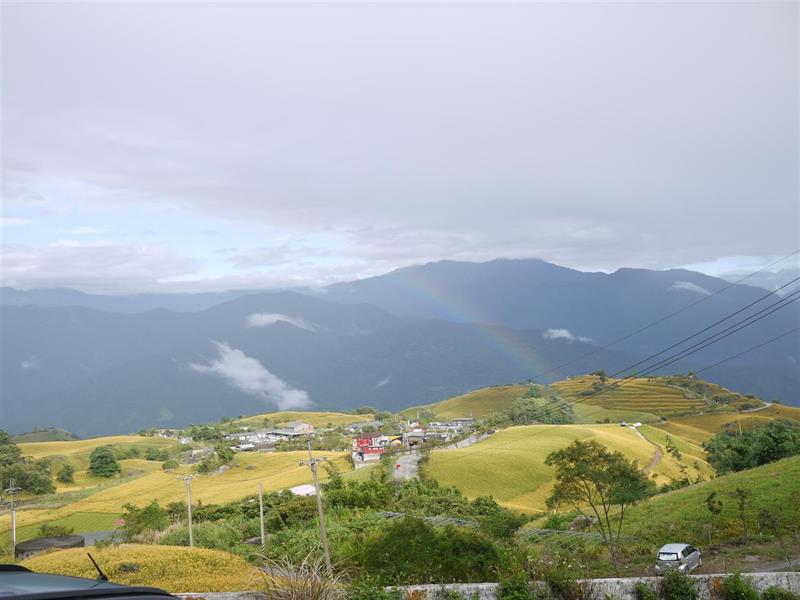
(597, 589)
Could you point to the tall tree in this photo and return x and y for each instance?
(103, 463)
(592, 479)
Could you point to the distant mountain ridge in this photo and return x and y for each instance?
(410, 337)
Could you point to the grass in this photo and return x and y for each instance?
(509, 465)
(317, 419)
(682, 515)
(54, 435)
(700, 428)
(278, 470)
(690, 452)
(80, 522)
(477, 403)
(173, 568)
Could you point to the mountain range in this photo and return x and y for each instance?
(98, 364)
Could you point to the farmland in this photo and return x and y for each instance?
(637, 394)
(277, 470)
(317, 419)
(174, 568)
(700, 428)
(509, 465)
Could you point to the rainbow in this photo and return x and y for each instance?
(502, 339)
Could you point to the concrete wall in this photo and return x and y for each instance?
(597, 589)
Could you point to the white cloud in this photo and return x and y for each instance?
(32, 362)
(248, 375)
(14, 222)
(690, 287)
(84, 231)
(267, 319)
(564, 334)
(383, 381)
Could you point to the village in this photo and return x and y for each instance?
(368, 440)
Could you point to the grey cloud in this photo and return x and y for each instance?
(574, 132)
(92, 267)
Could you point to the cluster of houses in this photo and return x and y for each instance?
(370, 448)
(260, 439)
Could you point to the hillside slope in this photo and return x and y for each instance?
(509, 465)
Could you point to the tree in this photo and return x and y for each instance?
(152, 517)
(731, 451)
(32, 476)
(103, 463)
(588, 474)
(740, 495)
(600, 373)
(66, 474)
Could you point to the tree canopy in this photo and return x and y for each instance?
(733, 451)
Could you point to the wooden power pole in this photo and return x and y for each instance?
(312, 462)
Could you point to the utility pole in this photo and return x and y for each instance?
(261, 511)
(312, 462)
(12, 491)
(187, 479)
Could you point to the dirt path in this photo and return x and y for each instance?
(657, 456)
(757, 408)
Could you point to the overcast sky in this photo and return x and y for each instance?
(210, 146)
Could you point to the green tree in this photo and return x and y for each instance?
(731, 451)
(588, 474)
(103, 463)
(741, 495)
(66, 474)
(152, 517)
(32, 476)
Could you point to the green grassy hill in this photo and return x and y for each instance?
(45, 435)
(682, 514)
(509, 465)
(477, 403)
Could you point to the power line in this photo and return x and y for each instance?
(751, 349)
(666, 317)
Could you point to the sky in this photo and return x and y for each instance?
(202, 146)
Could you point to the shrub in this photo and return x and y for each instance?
(216, 536)
(643, 591)
(103, 463)
(563, 586)
(515, 587)
(309, 580)
(66, 474)
(367, 589)
(736, 587)
(47, 530)
(677, 585)
(775, 593)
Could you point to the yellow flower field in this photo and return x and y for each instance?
(509, 465)
(173, 568)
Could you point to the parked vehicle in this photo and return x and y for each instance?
(683, 557)
(22, 584)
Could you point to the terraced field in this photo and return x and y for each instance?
(700, 428)
(637, 394)
(317, 419)
(509, 465)
(477, 403)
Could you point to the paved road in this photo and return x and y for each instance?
(408, 467)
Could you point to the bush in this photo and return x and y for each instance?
(677, 585)
(217, 536)
(736, 587)
(66, 474)
(47, 530)
(776, 593)
(367, 589)
(103, 463)
(515, 587)
(410, 549)
(644, 591)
